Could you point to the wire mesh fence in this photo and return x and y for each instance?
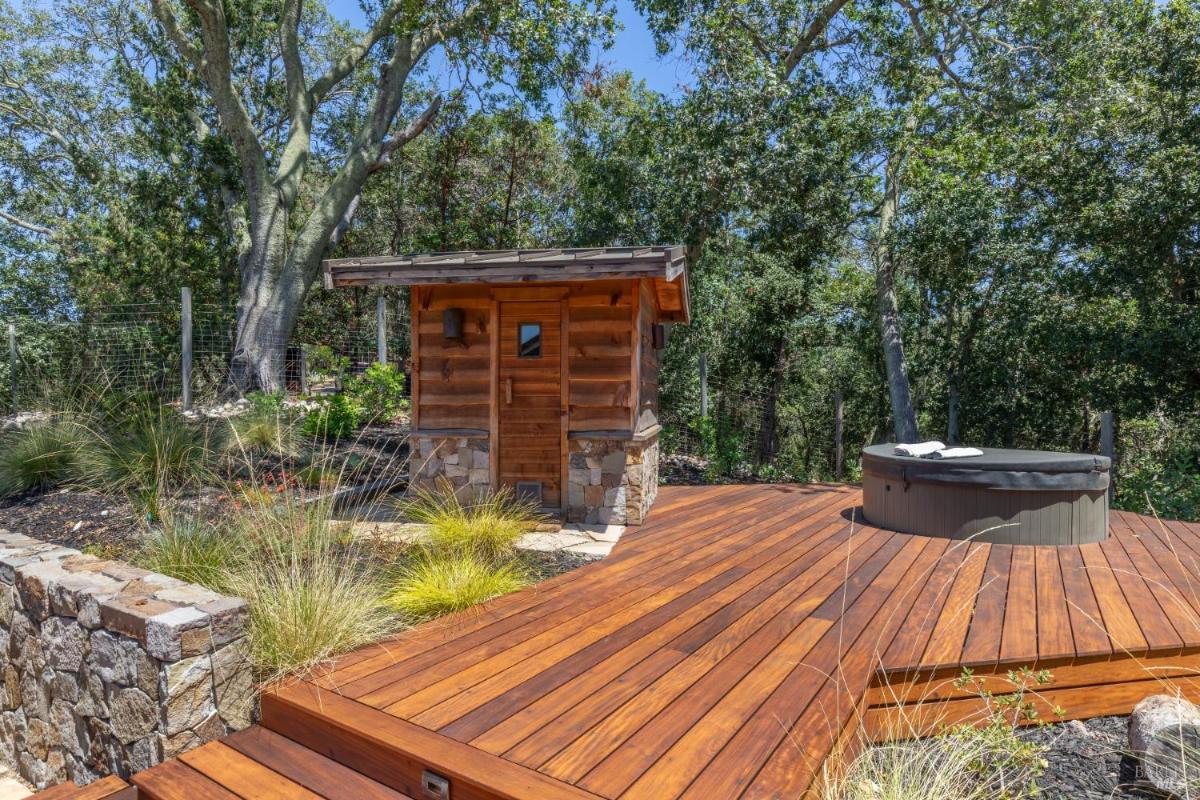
(726, 427)
(147, 349)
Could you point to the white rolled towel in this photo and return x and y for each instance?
(919, 450)
(956, 452)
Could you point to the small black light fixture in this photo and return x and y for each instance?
(658, 336)
(452, 324)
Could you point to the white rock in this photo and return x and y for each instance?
(1164, 732)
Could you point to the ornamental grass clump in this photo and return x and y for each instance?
(469, 555)
(40, 457)
(983, 758)
(312, 593)
(488, 527)
(309, 603)
(148, 455)
(263, 432)
(190, 549)
(442, 582)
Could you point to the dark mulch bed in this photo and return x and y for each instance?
(1087, 760)
(103, 523)
(111, 526)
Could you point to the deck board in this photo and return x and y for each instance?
(723, 650)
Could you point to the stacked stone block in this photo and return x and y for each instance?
(463, 462)
(107, 668)
(612, 481)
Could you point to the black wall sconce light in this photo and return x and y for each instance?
(452, 324)
(658, 336)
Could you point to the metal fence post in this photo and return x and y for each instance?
(381, 328)
(1108, 447)
(703, 385)
(12, 362)
(185, 334)
(303, 370)
(837, 435)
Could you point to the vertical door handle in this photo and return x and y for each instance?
(508, 391)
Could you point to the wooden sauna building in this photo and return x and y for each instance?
(537, 370)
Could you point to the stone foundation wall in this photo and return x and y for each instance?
(107, 668)
(462, 461)
(611, 481)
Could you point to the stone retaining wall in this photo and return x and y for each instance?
(107, 668)
(612, 481)
(460, 460)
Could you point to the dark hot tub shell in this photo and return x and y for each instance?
(1003, 496)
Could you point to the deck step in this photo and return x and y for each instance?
(255, 763)
(396, 752)
(110, 788)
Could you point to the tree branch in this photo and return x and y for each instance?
(215, 65)
(414, 129)
(807, 39)
(293, 65)
(914, 16)
(340, 69)
(32, 227)
(166, 17)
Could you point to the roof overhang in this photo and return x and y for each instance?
(665, 265)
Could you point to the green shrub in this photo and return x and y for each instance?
(379, 392)
(39, 457)
(1158, 470)
(267, 402)
(438, 583)
(316, 476)
(324, 363)
(190, 549)
(488, 528)
(338, 418)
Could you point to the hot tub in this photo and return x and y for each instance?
(1004, 496)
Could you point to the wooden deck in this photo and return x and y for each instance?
(723, 651)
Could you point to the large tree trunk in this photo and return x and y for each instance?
(266, 315)
(904, 418)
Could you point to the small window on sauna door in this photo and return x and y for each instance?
(529, 340)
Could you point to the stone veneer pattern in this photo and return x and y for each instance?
(111, 669)
(611, 481)
(462, 461)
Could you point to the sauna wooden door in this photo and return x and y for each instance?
(529, 399)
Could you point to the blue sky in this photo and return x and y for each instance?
(633, 49)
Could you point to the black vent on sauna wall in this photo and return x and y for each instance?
(530, 491)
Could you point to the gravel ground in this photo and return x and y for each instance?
(547, 565)
(1087, 760)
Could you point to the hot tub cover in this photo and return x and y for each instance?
(1027, 470)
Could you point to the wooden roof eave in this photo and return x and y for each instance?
(664, 265)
